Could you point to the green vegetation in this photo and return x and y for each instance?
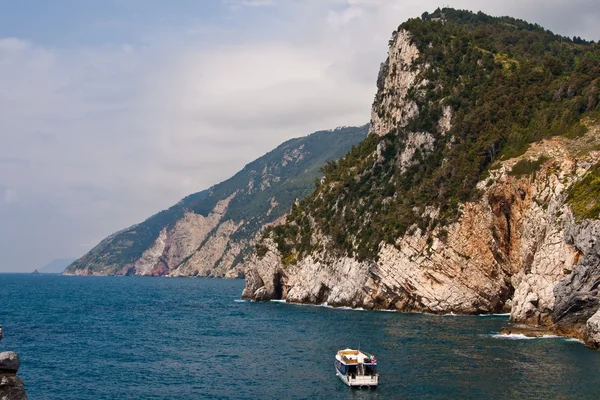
(281, 180)
(584, 195)
(508, 83)
(527, 167)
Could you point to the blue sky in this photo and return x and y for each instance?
(113, 110)
(75, 22)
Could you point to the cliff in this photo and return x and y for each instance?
(210, 233)
(11, 386)
(476, 191)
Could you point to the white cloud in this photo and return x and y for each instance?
(10, 196)
(12, 44)
(236, 4)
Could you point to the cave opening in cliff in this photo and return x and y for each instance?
(278, 286)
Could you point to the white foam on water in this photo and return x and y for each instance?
(574, 340)
(494, 315)
(344, 308)
(324, 305)
(240, 301)
(520, 336)
(451, 314)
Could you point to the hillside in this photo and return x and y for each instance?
(475, 191)
(209, 233)
(56, 266)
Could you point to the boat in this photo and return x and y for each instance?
(356, 368)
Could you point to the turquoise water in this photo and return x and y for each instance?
(157, 338)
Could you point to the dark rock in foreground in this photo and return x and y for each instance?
(11, 386)
(9, 362)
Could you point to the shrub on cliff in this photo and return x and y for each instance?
(584, 195)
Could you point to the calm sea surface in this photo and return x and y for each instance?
(153, 338)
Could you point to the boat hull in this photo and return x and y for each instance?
(369, 381)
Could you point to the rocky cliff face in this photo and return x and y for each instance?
(576, 310)
(211, 233)
(11, 386)
(516, 245)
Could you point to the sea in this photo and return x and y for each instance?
(181, 338)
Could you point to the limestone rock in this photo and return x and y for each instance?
(577, 297)
(264, 276)
(592, 337)
(396, 78)
(336, 282)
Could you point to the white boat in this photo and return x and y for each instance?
(356, 368)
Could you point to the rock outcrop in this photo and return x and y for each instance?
(397, 76)
(9, 362)
(592, 331)
(577, 298)
(516, 244)
(211, 233)
(11, 386)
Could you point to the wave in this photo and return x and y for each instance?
(574, 340)
(240, 301)
(494, 315)
(520, 336)
(451, 314)
(324, 305)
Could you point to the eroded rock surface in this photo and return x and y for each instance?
(577, 297)
(395, 79)
(592, 334)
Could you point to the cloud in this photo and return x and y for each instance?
(97, 137)
(9, 196)
(12, 44)
(236, 4)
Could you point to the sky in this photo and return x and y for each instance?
(113, 110)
